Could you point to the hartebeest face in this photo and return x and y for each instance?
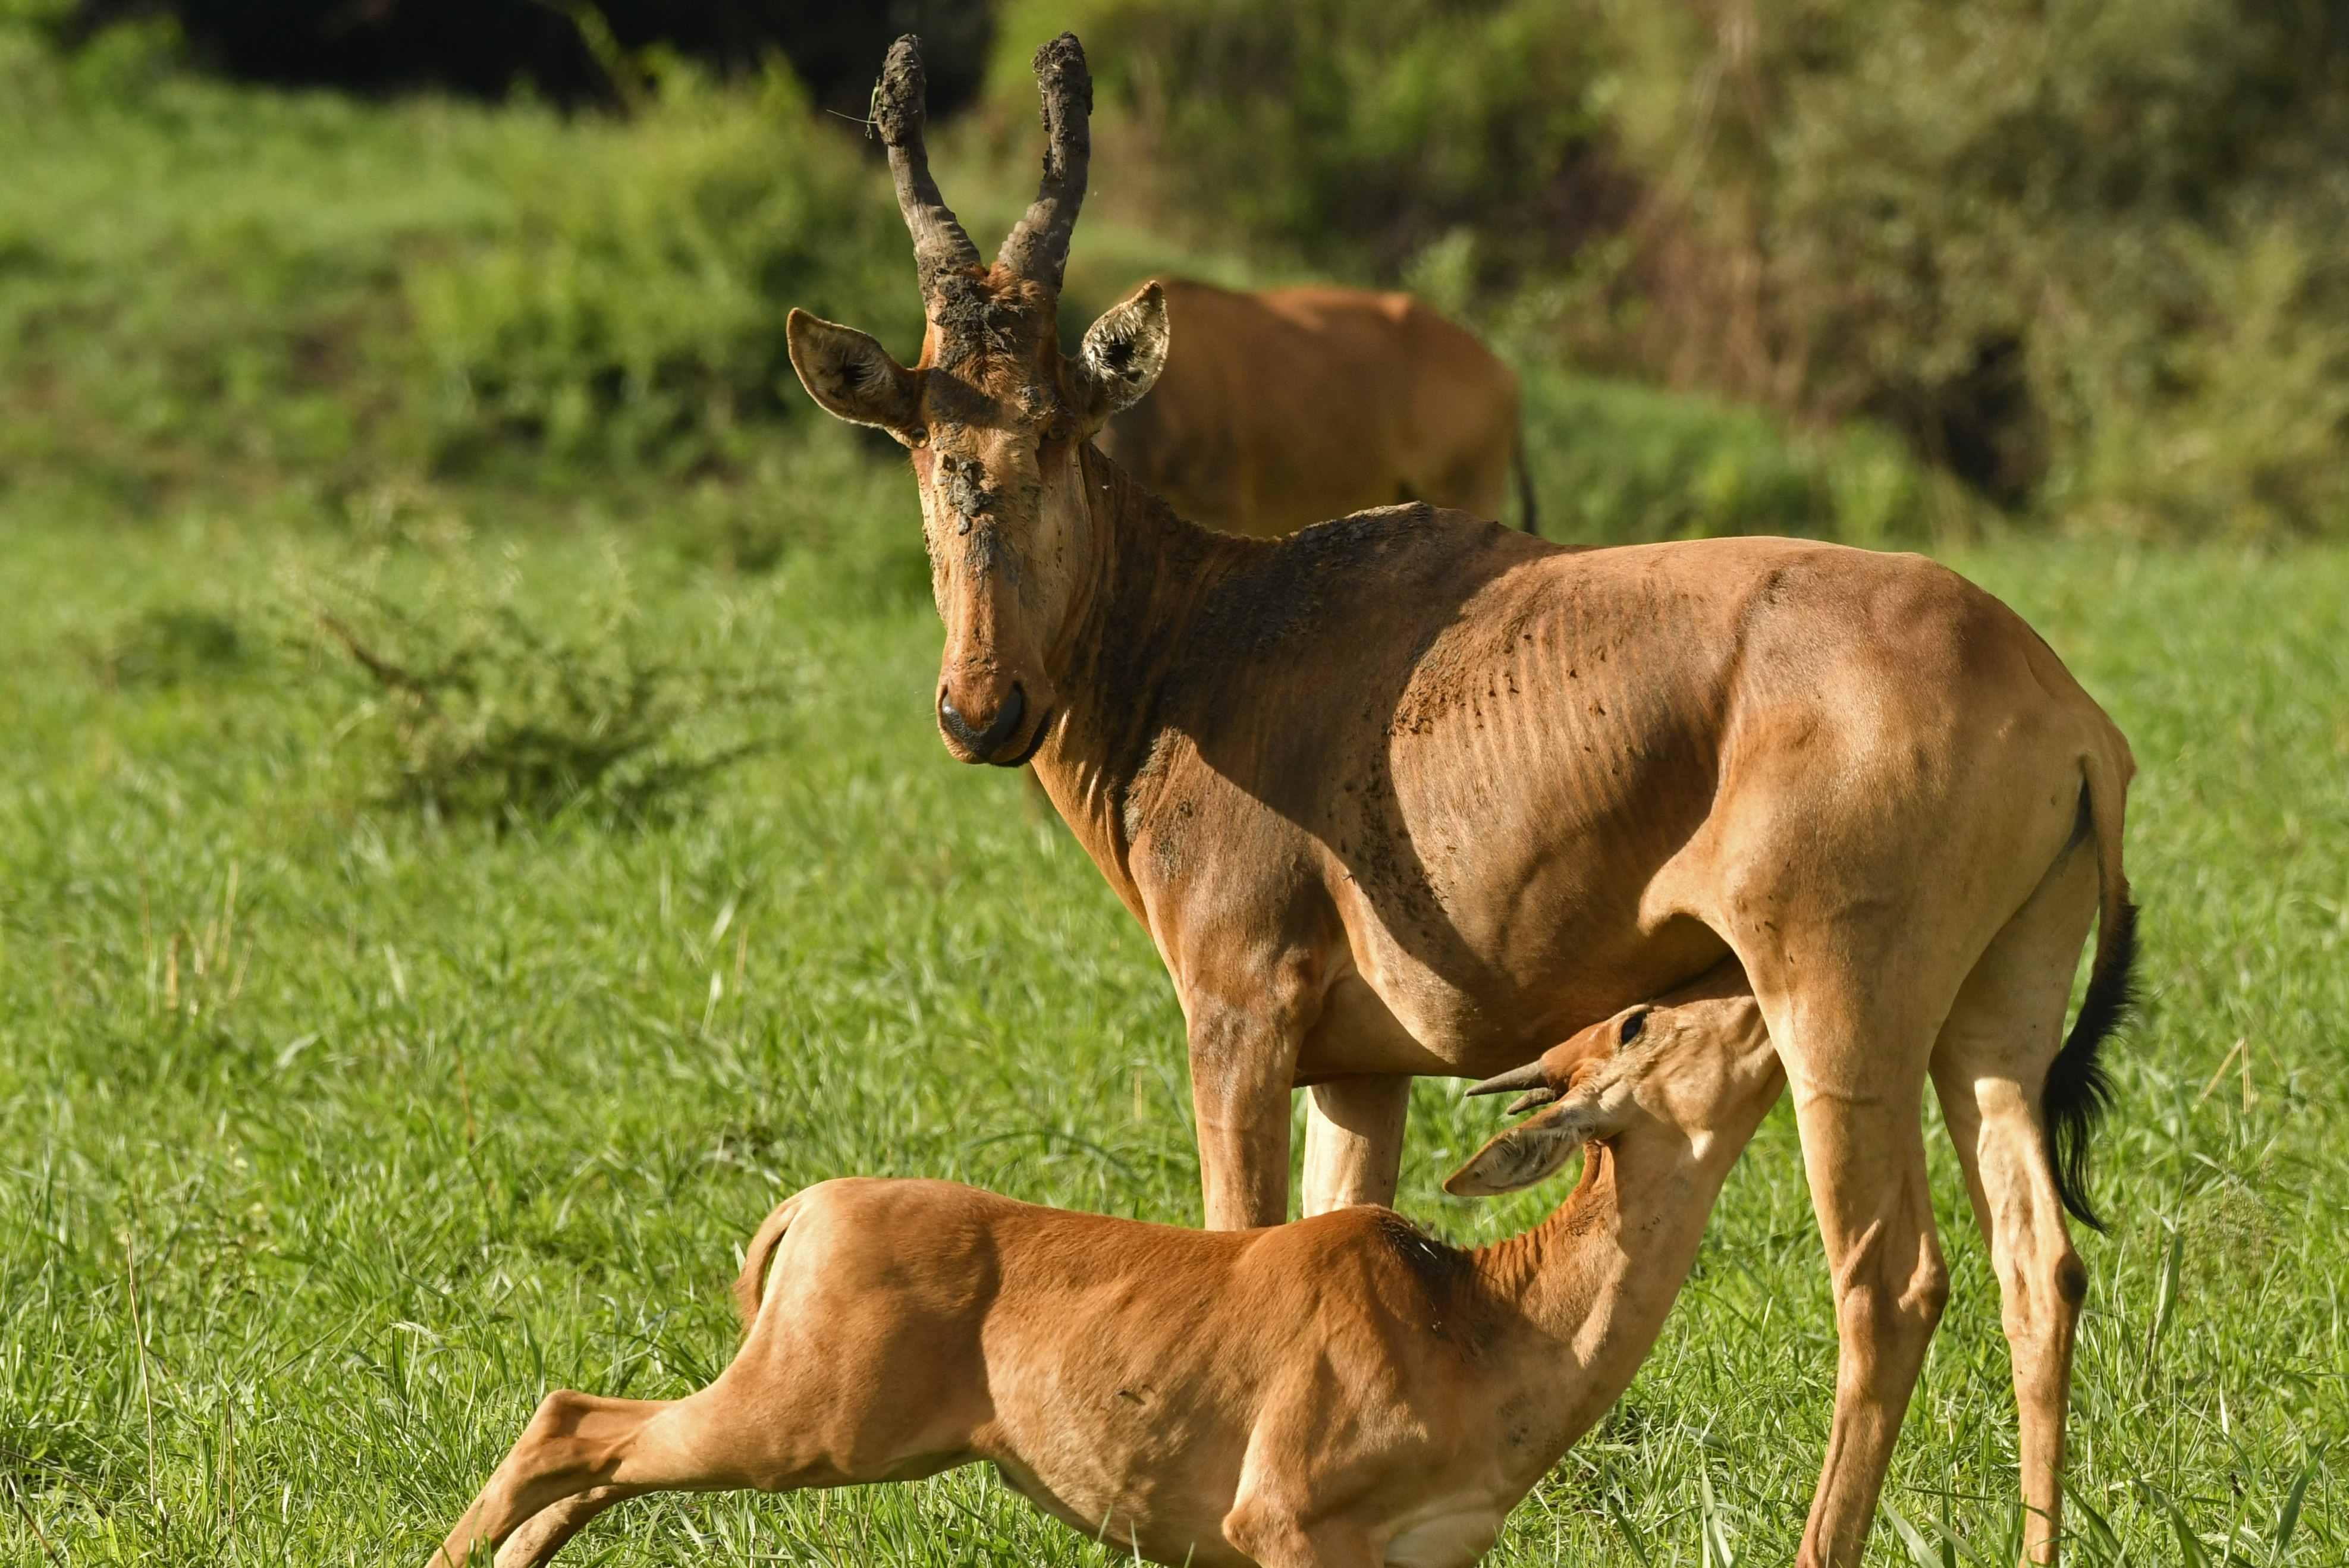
(994, 414)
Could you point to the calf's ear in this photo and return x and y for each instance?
(1535, 1148)
(1122, 354)
(853, 378)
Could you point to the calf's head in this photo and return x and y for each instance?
(1703, 1071)
(996, 416)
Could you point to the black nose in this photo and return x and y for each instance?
(984, 744)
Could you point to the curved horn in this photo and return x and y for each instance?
(1526, 1076)
(899, 108)
(1038, 250)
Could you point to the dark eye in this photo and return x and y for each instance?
(1631, 1027)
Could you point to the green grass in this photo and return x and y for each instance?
(433, 1119)
(330, 1136)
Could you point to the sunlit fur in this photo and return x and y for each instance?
(1341, 1390)
(1285, 407)
(1410, 793)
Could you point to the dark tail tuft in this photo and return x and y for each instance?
(1527, 519)
(2079, 1087)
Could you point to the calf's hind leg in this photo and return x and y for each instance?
(1990, 1070)
(579, 1445)
(544, 1533)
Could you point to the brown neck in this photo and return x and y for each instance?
(1590, 1285)
(1150, 572)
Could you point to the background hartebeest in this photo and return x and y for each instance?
(1282, 408)
(1340, 1393)
(1411, 793)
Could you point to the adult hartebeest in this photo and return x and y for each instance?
(1338, 1393)
(1283, 408)
(1411, 793)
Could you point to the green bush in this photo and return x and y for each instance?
(201, 284)
(1337, 126)
(472, 707)
(627, 306)
(204, 285)
(2093, 257)
(1615, 462)
(174, 644)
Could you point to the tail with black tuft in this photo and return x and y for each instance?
(2079, 1087)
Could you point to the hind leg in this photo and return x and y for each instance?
(578, 1446)
(544, 1533)
(1856, 1059)
(1989, 1068)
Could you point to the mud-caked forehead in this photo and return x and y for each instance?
(990, 318)
(990, 366)
(987, 395)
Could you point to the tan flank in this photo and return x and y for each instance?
(1344, 1390)
(1282, 408)
(1410, 793)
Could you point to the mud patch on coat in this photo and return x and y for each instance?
(962, 484)
(1289, 585)
(1439, 1267)
(989, 552)
(1446, 1278)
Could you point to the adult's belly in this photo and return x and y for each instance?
(1452, 1539)
(1398, 1014)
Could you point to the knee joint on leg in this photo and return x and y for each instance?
(557, 1415)
(1257, 1529)
(1928, 1289)
(2072, 1280)
(1876, 1303)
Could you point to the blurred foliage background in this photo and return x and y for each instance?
(1864, 268)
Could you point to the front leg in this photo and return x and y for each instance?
(1353, 1140)
(1243, 1061)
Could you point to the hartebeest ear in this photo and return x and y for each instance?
(1534, 1149)
(853, 378)
(1122, 354)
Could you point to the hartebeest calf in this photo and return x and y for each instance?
(1412, 793)
(1338, 1393)
(1285, 407)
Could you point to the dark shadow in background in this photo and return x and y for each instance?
(485, 48)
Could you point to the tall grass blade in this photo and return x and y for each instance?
(1627, 1530)
(1714, 1539)
(2288, 1517)
(1923, 1554)
(2164, 1301)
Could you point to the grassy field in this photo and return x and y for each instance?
(331, 1136)
(334, 1131)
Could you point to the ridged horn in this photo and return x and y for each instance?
(1038, 250)
(900, 105)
